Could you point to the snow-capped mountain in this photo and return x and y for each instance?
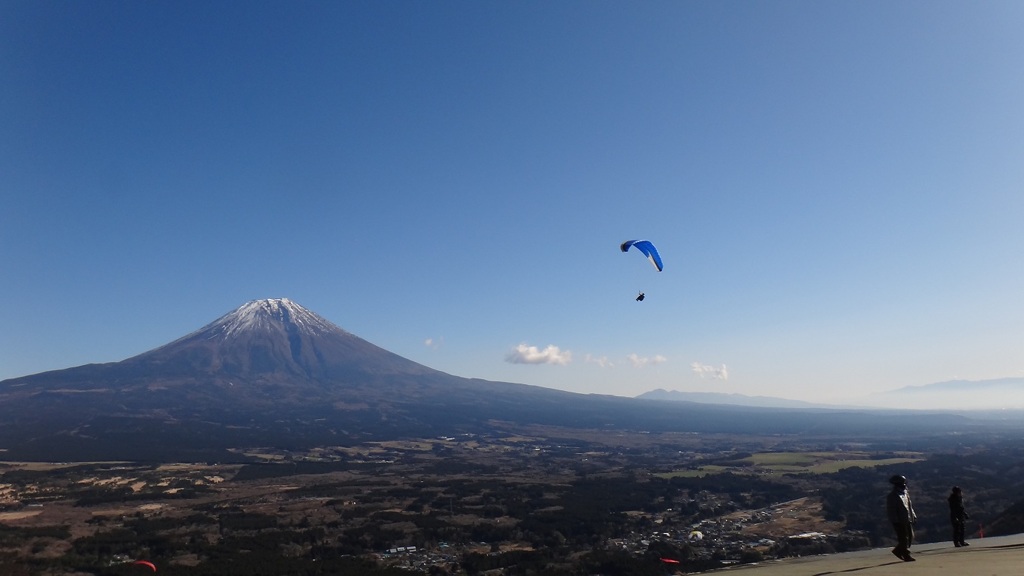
(272, 373)
(276, 336)
(270, 369)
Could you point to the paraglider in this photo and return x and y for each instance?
(647, 249)
(145, 563)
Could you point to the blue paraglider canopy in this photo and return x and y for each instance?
(646, 248)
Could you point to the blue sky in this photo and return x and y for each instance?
(835, 187)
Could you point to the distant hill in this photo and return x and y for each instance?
(1002, 395)
(272, 373)
(995, 394)
(728, 399)
(967, 385)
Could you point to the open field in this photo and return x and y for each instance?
(778, 463)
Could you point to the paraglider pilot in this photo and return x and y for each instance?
(647, 249)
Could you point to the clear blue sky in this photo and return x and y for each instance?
(837, 188)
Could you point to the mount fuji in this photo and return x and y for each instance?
(272, 373)
(268, 373)
(266, 353)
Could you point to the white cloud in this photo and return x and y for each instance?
(601, 361)
(716, 373)
(641, 361)
(434, 343)
(524, 354)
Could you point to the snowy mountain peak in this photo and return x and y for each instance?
(267, 313)
(270, 314)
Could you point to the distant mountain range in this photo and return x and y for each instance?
(952, 395)
(729, 399)
(272, 373)
(977, 386)
(996, 394)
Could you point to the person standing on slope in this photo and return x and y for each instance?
(958, 516)
(901, 514)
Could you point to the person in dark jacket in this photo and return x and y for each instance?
(901, 514)
(958, 516)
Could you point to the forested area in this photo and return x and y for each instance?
(466, 513)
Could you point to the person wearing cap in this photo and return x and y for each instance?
(901, 514)
(958, 516)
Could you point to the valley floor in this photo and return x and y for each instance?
(548, 503)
